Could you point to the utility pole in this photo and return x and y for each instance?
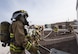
(77, 12)
(77, 21)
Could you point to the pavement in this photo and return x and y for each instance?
(57, 39)
(4, 50)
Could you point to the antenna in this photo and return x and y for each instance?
(68, 19)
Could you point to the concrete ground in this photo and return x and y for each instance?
(66, 43)
(3, 50)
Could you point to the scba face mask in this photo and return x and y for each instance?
(24, 20)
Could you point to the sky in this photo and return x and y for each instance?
(40, 11)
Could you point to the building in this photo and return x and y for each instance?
(62, 25)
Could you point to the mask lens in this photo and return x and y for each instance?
(25, 16)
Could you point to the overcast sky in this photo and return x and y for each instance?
(40, 11)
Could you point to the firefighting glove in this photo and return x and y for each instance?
(28, 46)
(33, 49)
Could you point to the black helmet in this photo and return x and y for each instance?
(20, 12)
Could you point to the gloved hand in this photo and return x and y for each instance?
(33, 49)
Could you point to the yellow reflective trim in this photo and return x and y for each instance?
(28, 45)
(11, 45)
(55, 29)
(15, 50)
(11, 35)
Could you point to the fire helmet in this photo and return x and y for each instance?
(36, 27)
(19, 12)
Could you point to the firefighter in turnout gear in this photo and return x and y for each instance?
(34, 38)
(55, 30)
(70, 28)
(36, 34)
(18, 42)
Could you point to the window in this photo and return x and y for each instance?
(46, 26)
(60, 26)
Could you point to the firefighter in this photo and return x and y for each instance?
(55, 30)
(36, 34)
(37, 31)
(18, 42)
(41, 30)
(70, 28)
